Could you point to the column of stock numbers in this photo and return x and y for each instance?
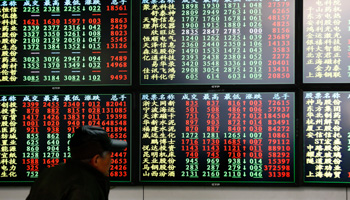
(70, 42)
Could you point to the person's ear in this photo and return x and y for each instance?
(94, 160)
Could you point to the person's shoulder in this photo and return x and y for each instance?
(81, 170)
(87, 180)
(49, 171)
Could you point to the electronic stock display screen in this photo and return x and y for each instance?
(217, 42)
(36, 129)
(217, 138)
(326, 137)
(65, 42)
(326, 41)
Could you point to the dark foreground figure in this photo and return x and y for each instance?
(85, 175)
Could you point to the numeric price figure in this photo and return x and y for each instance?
(233, 140)
(31, 34)
(30, 122)
(279, 140)
(119, 33)
(190, 40)
(51, 120)
(116, 125)
(51, 39)
(190, 140)
(94, 33)
(94, 112)
(73, 7)
(51, 7)
(74, 40)
(73, 116)
(211, 140)
(51, 34)
(31, 42)
(118, 44)
(52, 64)
(119, 62)
(256, 139)
(279, 40)
(73, 34)
(211, 41)
(75, 64)
(95, 65)
(255, 48)
(51, 43)
(94, 43)
(232, 41)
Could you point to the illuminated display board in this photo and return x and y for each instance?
(326, 137)
(217, 42)
(217, 137)
(70, 42)
(326, 41)
(35, 131)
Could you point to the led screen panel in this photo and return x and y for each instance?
(326, 137)
(217, 42)
(217, 138)
(326, 41)
(71, 42)
(36, 129)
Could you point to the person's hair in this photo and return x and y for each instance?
(102, 154)
(86, 151)
(89, 141)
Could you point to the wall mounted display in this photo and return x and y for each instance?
(217, 138)
(36, 129)
(326, 137)
(326, 41)
(212, 42)
(65, 43)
